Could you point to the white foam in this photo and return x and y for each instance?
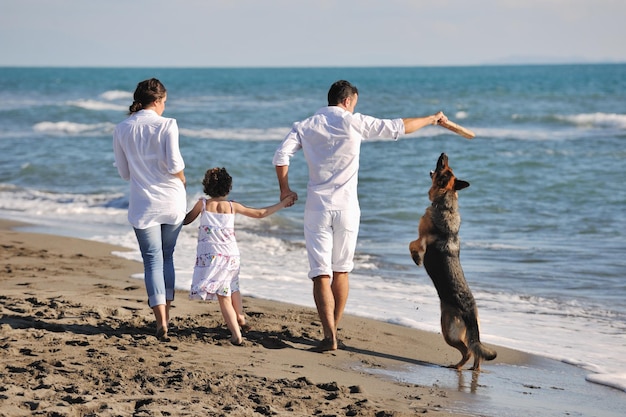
(493, 246)
(596, 119)
(617, 381)
(117, 95)
(97, 105)
(72, 128)
(242, 134)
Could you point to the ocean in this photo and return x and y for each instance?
(543, 223)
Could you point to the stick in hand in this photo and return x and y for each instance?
(458, 129)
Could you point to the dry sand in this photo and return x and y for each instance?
(76, 339)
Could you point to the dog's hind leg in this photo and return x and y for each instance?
(481, 352)
(454, 333)
(477, 360)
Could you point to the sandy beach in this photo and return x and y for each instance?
(77, 339)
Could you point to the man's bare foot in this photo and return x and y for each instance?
(325, 345)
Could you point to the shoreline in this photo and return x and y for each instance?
(78, 338)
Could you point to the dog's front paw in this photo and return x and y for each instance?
(414, 248)
(416, 258)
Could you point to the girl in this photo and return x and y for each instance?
(216, 273)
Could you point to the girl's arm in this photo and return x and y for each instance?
(259, 213)
(194, 212)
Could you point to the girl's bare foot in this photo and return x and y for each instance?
(236, 341)
(241, 321)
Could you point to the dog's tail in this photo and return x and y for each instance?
(482, 351)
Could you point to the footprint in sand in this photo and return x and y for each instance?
(132, 288)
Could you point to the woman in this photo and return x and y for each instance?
(147, 154)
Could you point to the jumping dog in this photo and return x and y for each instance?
(438, 247)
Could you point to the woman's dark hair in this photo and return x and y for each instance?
(339, 91)
(146, 93)
(217, 182)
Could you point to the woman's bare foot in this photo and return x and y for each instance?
(161, 334)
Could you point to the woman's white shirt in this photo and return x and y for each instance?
(146, 148)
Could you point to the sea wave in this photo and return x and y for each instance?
(96, 105)
(112, 100)
(112, 95)
(72, 128)
(614, 380)
(581, 120)
(460, 115)
(596, 120)
(30, 200)
(66, 127)
(494, 246)
(277, 133)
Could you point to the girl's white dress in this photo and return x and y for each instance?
(217, 258)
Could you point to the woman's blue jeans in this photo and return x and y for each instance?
(157, 250)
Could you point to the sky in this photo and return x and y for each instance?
(304, 33)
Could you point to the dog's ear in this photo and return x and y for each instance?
(460, 184)
(442, 162)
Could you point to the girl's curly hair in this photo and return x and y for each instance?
(217, 182)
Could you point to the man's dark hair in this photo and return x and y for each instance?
(339, 91)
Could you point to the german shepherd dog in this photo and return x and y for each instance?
(438, 247)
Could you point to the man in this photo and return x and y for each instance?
(331, 142)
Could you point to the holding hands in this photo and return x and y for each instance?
(439, 118)
(289, 198)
